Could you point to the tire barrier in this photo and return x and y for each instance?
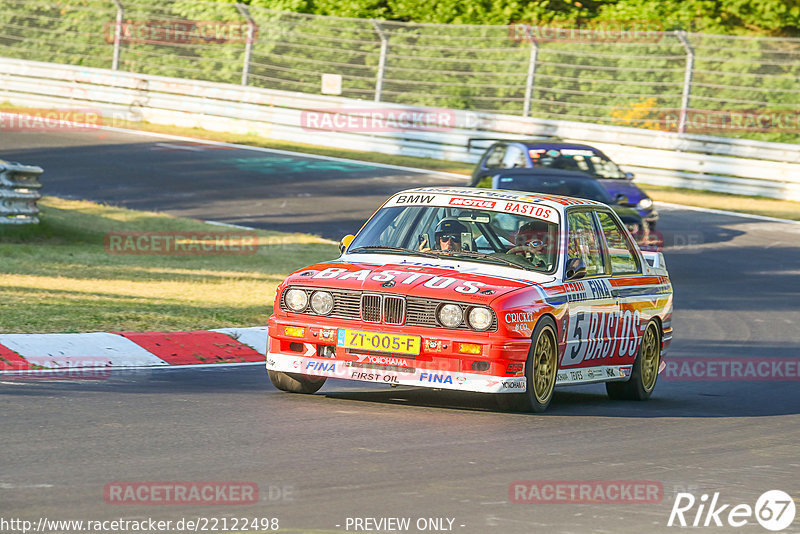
(19, 192)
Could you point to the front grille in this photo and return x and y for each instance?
(371, 308)
(389, 309)
(394, 309)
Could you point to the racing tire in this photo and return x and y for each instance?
(540, 372)
(644, 374)
(295, 383)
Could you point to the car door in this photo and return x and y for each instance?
(626, 280)
(593, 307)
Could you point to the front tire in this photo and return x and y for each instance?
(295, 383)
(540, 371)
(645, 369)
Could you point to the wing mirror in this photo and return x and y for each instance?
(629, 176)
(576, 269)
(345, 242)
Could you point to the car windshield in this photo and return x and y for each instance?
(582, 160)
(474, 235)
(570, 187)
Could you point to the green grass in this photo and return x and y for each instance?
(58, 276)
(770, 207)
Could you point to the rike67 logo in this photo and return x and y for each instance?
(774, 510)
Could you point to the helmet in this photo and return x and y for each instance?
(450, 226)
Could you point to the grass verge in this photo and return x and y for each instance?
(58, 276)
(769, 207)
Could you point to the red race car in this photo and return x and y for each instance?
(479, 290)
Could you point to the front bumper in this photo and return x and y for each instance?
(499, 368)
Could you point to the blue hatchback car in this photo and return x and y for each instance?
(569, 157)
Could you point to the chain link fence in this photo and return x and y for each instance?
(629, 74)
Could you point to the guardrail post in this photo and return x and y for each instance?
(526, 108)
(117, 35)
(687, 80)
(19, 192)
(381, 60)
(248, 46)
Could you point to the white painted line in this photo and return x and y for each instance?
(240, 227)
(94, 349)
(228, 225)
(725, 212)
(448, 175)
(179, 147)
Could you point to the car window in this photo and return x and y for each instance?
(623, 258)
(584, 242)
(495, 158)
(514, 158)
(471, 234)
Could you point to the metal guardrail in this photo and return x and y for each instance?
(19, 192)
(721, 164)
(636, 73)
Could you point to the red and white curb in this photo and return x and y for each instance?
(31, 352)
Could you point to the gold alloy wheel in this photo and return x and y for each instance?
(650, 357)
(544, 365)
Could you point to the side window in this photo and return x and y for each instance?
(623, 258)
(514, 158)
(496, 157)
(584, 242)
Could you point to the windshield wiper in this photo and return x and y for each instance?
(394, 249)
(483, 255)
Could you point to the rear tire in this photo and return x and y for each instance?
(644, 374)
(540, 372)
(295, 383)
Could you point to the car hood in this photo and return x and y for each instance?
(623, 187)
(422, 281)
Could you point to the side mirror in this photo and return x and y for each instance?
(576, 269)
(622, 200)
(345, 242)
(629, 176)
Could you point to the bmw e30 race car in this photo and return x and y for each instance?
(478, 290)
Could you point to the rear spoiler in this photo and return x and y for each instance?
(656, 261)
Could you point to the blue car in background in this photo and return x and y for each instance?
(570, 184)
(536, 154)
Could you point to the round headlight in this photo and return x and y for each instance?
(645, 204)
(296, 299)
(321, 302)
(480, 318)
(450, 315)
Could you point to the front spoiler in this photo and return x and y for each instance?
(347, 370)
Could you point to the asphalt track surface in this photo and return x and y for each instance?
(357, 450)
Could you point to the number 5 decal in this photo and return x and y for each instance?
(574, 353)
